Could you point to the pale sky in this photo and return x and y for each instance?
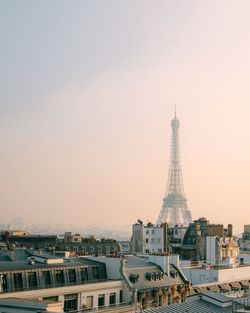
(88, 90)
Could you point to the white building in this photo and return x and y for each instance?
(77, 283)
(149, 239)
(229, 271)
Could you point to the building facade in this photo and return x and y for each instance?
(244, 242)
(175, 238)
(210, 243)
(78, 283)
(69, 242)
(92, 283)
(149, 239)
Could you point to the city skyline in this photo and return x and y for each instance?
(87, 95)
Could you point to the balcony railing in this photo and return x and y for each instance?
(52, 285)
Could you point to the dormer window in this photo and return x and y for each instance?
(134, 278)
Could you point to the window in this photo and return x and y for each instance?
(95, 273)
(121, 296)
(3, 282)
(53, 298)
(72, 275)
(147, 251)
(107, 248)
(46, 278)
(146, 240)
(160, 300)
(91, 249)
(32, 279)
(70, 302)
(101, 300)
(99, 249)
(152, 231)
(112, 298)
(18, 281)
(83, 274)
(147, 232)
(59, 277)
(159, 240)
(169, 299)
(176, 231)
(183, 296)
(83, 248)
(152, 240)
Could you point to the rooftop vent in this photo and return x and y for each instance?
(31, 261)
(154, 275)
(134, 278)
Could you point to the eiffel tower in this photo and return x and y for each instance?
(174, 209)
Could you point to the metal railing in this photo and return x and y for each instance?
(121, 307)
(52, 285)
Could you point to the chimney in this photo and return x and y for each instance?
(198, 229)
(123, 265)
(230, 230)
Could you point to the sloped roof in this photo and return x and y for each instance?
(217, 296)
(197, 305)
(136, 265)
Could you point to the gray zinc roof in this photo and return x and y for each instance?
(141, 266)
(137, 262)
(217, 296)
(195, 306)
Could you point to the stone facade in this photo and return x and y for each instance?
(147, 239)
(209, 242)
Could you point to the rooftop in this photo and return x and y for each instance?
(142, 268)
(137, 262)
(209, 302)
(11, 260)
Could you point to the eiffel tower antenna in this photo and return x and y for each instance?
(174, 209)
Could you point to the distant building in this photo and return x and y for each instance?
(244, 242)
(149, 239)
(124, 247)
(209, 242)
(69, 242)
(22, 238)
(88, 246)
(175, 238)
(72, 238)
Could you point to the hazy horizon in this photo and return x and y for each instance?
(88, 90)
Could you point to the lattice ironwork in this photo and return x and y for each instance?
(174, 209)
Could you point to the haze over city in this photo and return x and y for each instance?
(88, 92)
